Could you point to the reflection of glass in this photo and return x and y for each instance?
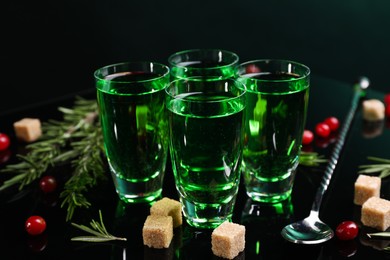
(196, 244)
(263, 222)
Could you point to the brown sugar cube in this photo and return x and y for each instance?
(157, 231)
(375, 213)
(28, 129)
(228, 240)
(373, 109)
(366, 187)
(168, 207)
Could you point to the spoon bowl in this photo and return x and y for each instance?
(310, 230)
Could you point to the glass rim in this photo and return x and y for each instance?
(199, 50)
(300, 77)
(98, 71)
(172, 84)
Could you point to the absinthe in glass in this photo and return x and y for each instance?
(274, 128)
(135, 131)
(203, 69)
(206, 150)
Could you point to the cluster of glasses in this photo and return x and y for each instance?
(219, 120)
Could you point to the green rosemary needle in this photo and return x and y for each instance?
(383, 167)
(311, 159)
(379, 234)
(97, 230)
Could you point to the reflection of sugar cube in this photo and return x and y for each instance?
(157, 231)
(228, 240)
(28, 129)
(376, 213)
(365, 187)
(168, 207)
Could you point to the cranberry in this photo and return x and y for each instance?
(48, 184)
(322, 130)
(387, 99)
(4, 141)
(35, 225)
(347, 230)
(387, 111)
(252, 69)
(307, 137)
(332, 122)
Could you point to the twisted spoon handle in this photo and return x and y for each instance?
(359, 88)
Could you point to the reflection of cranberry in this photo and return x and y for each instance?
(37, 243)
(321, 142)
(307, 148)
(50, 200)
(5, 156)
(347, 248)
(332, 137)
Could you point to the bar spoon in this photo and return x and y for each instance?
(312, 230)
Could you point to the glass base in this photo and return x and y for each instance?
(138, 192)
(268, 198)
(207, 216)
(269, 191)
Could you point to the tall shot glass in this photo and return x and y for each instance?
(206, 120)
(277, 101)
(134, 123)
(203, 64)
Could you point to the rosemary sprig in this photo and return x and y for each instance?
(77, 139)
(97, 230)
(380, 235)
(383, 167)
(311, 159)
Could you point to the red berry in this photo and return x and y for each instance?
(387, 111)
(307, 137)
(332, 122)
(252, 68)
(48, 184)
(387, 99)
(4, 141)
(35, 225)
(322, 130)
(347, 230)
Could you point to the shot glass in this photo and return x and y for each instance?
(199, 64)
(277, 101)
(206, 120)
(134, 123)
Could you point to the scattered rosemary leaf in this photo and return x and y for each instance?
(379, 234)
(311, 159)
(382, 167)
(97, 230)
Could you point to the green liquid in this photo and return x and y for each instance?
(274, 127)
(203, 69)
(135, 131)
(206, 151)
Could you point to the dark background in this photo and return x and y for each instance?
(51, 48)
